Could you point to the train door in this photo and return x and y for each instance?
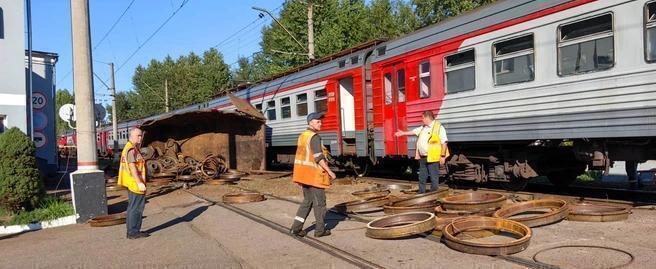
(347, 115)
(394, 109)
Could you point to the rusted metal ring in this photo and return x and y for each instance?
(401, 225)
(186, 178)
(164, 175)
(233, 175)
(373, 192)
(108, 220)
(360, 205)
(424, 207)
(558, 210)
(597, 212)
(474, 201)
(440, 212)
(219, 182)
(394, 186)
(422, 198)
(243, 197)
(464, 224)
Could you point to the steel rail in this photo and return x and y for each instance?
(312, 242)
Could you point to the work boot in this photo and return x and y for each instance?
(138, 235)
(300, 233)
(321, 234)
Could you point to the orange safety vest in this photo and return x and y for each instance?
(125, 178)
(306, 170)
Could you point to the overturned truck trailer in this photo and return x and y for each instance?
(236, 136)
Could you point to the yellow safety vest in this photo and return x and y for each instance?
(435, 144)
(125, 178)
(306, 170)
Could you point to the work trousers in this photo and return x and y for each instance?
(136, 204)
(313, 198)
(427, 169)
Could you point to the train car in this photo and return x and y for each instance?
(524, 88)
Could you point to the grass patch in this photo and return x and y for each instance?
(590, 176)
(49, 209)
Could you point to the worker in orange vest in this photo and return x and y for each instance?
(312, 173)
(132, 175)
(431, 150)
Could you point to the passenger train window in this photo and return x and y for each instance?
(301, 104)
(258, 107)
(586, 46)
(424, 80)
(650, 32)
(388, 89)
(400, 84)
(320, 101)
(285, 108)
(513, 60)
(460, 71)
(271, 110)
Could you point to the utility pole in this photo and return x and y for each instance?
(310, 23)
(30, 110)
(114, 117)
(283, 27)
(87, 182)
(166, 94)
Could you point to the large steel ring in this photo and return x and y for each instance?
(401, 225)
(473, 201)
(440, 212)
(372, 192)
(597, 212)
(464, 224)
(361, 205)
(422, 198)
(243, 197)
(557, 211)
(423, 207)
(108, 220)
(394, 186)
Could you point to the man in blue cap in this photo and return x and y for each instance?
(312, 173)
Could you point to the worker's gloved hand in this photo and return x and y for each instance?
(141, 187)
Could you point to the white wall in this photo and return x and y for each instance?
(12, 66)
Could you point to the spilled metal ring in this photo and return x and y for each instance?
(464, 224)
(474, 201)
(440, 212)
(360, 205)
(401, 225)
(597, 212)
(424, 207)
(370, 193)
(558, 210)
(108, 220)
(422, 198)
(243, 197)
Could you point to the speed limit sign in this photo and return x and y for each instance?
(39, 100)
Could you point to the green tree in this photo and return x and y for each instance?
(20, 182)
(62, 97)
(433, 11)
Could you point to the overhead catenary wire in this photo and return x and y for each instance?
(151, 35)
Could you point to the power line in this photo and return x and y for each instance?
(103, 38)
(152, 35)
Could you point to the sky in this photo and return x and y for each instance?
(197, 26)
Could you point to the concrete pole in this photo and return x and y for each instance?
(30, 110)
(166, 95)
(83, 85)
(87, 182)
(310, 23)
(115, 148)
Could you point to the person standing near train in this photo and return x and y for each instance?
(431, 150)
(132, 175)
(312, 173)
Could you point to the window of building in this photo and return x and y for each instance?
(400, 84)
(285, 108)
(388, 89)
(513, 60)
(2, 25)
(424, 80)
(2, 124)
(301, 105)
(586, 46)
(258, 107)
(320, 101)
(271, 110)
(460, 71)
(650, 32)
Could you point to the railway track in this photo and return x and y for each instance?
(312, 242)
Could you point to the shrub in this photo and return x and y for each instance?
(20, 181)
(49, 208)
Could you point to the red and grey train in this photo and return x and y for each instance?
(523, 87)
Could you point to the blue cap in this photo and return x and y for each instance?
(315, 116)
